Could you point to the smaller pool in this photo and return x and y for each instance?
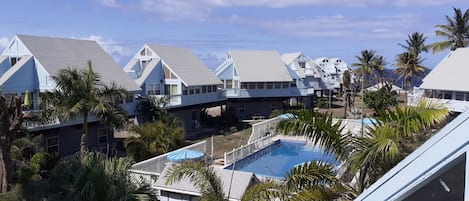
(367, 120)
(279, 158)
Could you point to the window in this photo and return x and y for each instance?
(170, 89)
(251, 85)
(52, 144)
(229, 84)
(102, 136)
(459, 96)
(285, 85)
(129, 98)
(448, 95)
(204, 89)
(244, 85)
(278, 85)
(260, 85)
(270, 85)
(191, 91)
(144, 64)
(184, 92)
(14, 60)
(293, 84)
(209, 89)
(197, 91)
(153, 89)
(241, 108)
(214, 88)
(302, 64)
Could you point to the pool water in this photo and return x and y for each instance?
(279, 158)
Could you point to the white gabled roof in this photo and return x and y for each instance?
(260, 66)
(451, 73)
(240, 183)
(288, 58)
(444, 147)
(185, 65)
(150, 67)
(55, 54)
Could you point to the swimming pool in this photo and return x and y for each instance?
(280, 157)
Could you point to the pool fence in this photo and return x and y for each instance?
(149, 170)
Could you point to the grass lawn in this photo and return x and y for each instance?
(225, 143)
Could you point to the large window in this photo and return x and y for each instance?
(52, 144)
(153, 89)
(102, 136)
(446, 184)
(170, 89)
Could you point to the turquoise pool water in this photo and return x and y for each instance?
(279, 158)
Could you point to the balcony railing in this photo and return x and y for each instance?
(255, 93)
(34, 120)
(193, 99)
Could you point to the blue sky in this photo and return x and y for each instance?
(210, 28)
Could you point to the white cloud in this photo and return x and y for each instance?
(111, 47)
(110, 3)
(338, 26)
(4, 41)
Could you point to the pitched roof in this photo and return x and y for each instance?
(260, 66)
(290, 57)
(241, 182)
(451, 73)
(58, 53)
(186, 65)
(423, 164)
(150, 66)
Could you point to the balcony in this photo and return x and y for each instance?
(193, 99)
(33, 121)
(259, 93)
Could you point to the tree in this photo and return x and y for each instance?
(456, 31)
(92, 176)
(11, 119)
(155, 138)
(370, 65)
(409, 67)
(382, 99)
(415, 43)
(308, 181)
(366, 157)
(346, 80)
(202, 176)
(382, 147)
(379, 63)
(80, 93)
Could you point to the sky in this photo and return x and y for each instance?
(211, 28)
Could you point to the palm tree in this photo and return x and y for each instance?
(203, 177)
(11, 119)
(92, 176)
(308, 181)
(154, 138)
(382, 147)
(80, 93)
(346, 80)
(409, 67)
(415, 43)
(379, 64)
(456, 31)
(379, 149)
(365, 67)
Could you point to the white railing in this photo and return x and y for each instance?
(248, 149)
(261, 129)
(149, 170)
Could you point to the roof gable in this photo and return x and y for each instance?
(185, 65)
(444, 76)
(260, 66)
(58, 53)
